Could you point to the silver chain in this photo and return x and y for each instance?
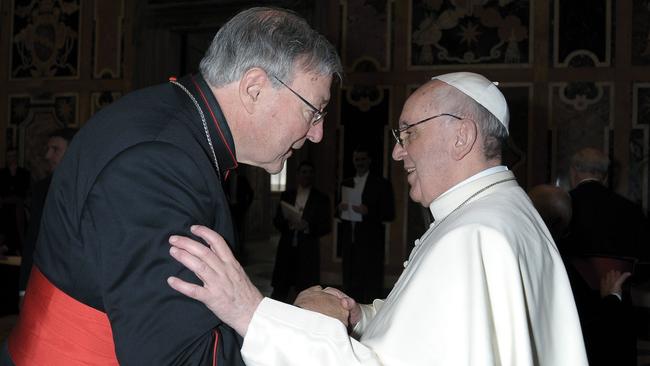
(205, 124)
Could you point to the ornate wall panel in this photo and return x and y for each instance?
(32, 119)
(582, 33)
(490, 32)
(366, 34)
(581, 115)
(108, 39)
(638, 184)
(641, 33)
(45, 39)
(99, 100)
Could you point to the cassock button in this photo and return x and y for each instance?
(417, 242)
(406, 263)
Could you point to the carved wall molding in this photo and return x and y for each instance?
(575, 124)
(639, 182)
(582, 33)
(366, 33)
(108, 39)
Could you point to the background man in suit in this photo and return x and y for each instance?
(603, 221)
(363, 242)
(606, 314)
(297, 263)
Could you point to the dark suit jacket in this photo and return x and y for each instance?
(604, 222)
(139, 171)
(377, 196)
(300, 265)
(362, 243)
(608, 324)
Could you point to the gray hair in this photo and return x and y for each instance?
(591, 161)
(275, 40)
(490, 128)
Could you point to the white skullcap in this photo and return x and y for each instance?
(482, 90)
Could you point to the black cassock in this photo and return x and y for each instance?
(139, 171)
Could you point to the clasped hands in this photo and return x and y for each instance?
(228, 292)
(331, 302)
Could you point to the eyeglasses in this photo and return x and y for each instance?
(397, 132)
(318, 114)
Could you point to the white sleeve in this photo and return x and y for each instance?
(285, 335)
(367, 313)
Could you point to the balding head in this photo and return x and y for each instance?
(588, 163)
(554, 206)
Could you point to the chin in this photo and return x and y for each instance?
(274, 168)
(416, 196)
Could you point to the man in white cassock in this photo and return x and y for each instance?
(484, 285)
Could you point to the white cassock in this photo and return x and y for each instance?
(484, 285)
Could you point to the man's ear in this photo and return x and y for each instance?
(465, 138)
(250, 87)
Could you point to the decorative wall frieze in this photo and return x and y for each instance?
(45, 39)
(447, 32)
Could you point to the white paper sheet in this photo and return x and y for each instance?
(352, 197)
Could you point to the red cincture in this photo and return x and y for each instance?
(55, 329)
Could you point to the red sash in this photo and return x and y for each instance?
(55, 329)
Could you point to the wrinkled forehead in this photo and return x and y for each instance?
(426, 99)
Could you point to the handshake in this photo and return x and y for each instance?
(331, 302)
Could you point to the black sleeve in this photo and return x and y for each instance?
(143, 196)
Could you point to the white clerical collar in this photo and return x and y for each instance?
(482, 173)
(456, 195)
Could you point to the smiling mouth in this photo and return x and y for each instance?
(409, 170)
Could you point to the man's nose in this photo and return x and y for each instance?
(399, 152)
(315, 133)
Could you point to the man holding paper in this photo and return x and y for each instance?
(303, 216)
(366, 203)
